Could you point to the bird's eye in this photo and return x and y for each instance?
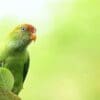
(23, 28)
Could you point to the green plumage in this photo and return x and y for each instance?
(14, 56)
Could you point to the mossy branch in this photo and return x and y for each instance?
(8, 95)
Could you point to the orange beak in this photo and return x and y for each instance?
(33, 33)
(33, 36)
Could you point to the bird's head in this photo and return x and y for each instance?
(22, 35)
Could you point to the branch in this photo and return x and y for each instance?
(7, 95)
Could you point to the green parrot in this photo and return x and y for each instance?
(14, 55)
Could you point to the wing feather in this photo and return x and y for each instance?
(26, 67)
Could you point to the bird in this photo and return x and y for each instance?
(14, 54)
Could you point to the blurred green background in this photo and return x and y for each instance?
(65, 60)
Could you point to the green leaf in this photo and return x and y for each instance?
(6, 79)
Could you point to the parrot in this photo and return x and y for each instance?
(14, 54)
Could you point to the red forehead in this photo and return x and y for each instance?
(28, 25)
(30, 28)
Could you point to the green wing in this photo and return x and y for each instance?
(26, 67)
(0, 64)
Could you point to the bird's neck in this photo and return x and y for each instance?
(16, 46)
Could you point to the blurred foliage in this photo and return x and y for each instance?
(6, 85)
(65, 61)
(6, 79)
